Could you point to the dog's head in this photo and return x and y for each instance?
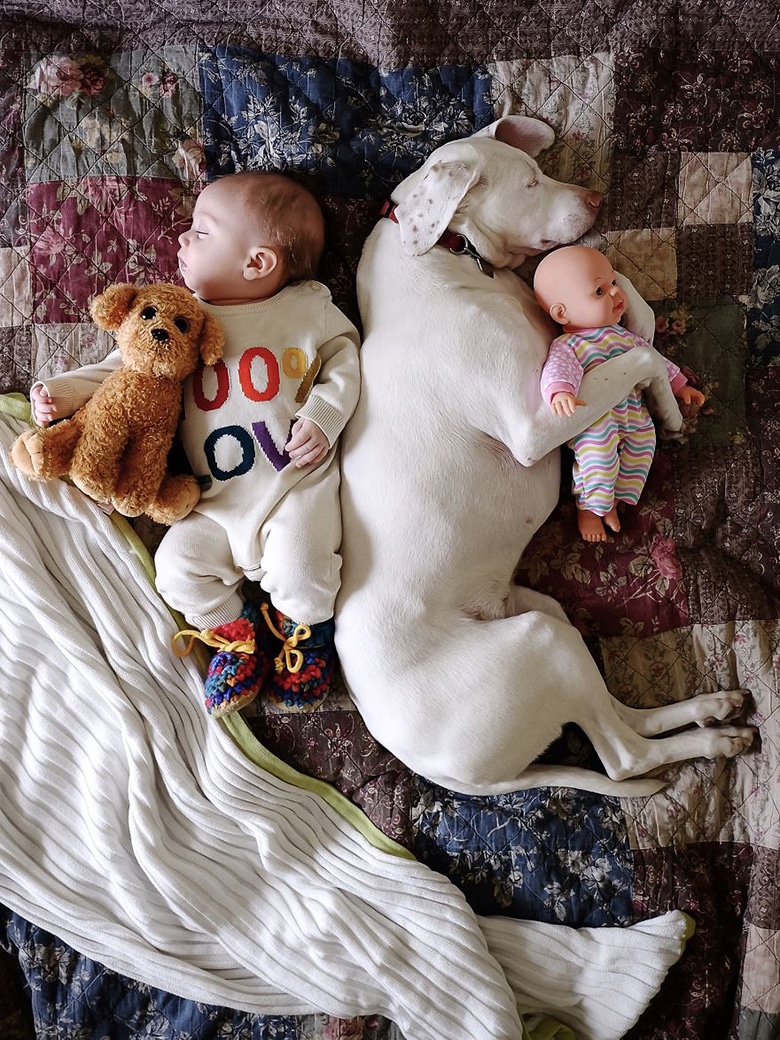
(161, 330)
(489, 188)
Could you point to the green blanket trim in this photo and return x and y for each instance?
(535, 1027)
(248, 743)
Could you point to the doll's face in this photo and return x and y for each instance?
(578, 288)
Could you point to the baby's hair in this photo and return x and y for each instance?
(288, 215)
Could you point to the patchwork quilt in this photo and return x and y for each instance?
(113, 117)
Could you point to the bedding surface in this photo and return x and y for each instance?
(111, 119)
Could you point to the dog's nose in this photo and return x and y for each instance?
(594, 199)
(160, 335)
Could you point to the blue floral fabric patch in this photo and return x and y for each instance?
(361, 131)
(560, 856)
(763, 303)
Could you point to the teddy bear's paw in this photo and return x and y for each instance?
(129, 505)
(91, 487)
(177, 497)
(27, 454)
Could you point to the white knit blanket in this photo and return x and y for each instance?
(135, 828)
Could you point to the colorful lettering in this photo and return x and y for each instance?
(245, 376)
(247, 451)
(223, 387)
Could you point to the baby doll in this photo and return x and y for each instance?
(577, 287)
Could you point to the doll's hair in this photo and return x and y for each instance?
(288, 216)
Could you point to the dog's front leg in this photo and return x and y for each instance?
(638, 316)
(602, 388)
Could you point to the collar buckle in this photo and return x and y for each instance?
(457, 244)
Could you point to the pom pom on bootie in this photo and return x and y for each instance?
(305, 665)
(238, 669)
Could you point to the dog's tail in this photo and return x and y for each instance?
(566, 776)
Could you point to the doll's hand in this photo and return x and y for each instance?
(307, 445)
(563, 403)
(43, 405)
(690, 395)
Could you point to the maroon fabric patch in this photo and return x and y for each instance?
(632, 583)
(97, 231)
(710, 882)
(706, 102)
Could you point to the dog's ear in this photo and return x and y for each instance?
(110, 309)
(532, 135)
(423, 216)
(212, 340)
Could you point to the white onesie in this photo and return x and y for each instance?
(260, 517)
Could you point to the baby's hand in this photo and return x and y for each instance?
(307, 445)
(563, 403)
(44, 407)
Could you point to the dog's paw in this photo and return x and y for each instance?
(729, 741)
(724, 706)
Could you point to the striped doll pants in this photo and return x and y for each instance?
(612, 457)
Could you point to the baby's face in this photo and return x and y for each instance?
(214, 252)
(590, 292)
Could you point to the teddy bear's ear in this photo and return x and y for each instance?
(212, 341)
(110, 309)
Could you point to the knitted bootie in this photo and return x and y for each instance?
(304, 667)
(238, 669)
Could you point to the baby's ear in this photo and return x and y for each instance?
(263, 261)
(110, 309)
(212, 341)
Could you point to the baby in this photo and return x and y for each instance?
(577, 287)
(260, 430)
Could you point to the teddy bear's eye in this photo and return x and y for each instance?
(181, 324)
(148, 313)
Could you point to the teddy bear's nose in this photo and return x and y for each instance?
(160, 335)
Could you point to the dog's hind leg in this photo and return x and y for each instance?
(708, 709)
(520, 600)
(626, 753)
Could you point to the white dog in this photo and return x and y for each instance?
(450, 465)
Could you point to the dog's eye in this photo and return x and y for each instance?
(181, 324)
(148, 313)
(533, 184)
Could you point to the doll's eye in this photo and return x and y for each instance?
(181, 324)
(599, 292)
(148, 313)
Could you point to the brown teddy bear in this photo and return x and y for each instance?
(115, 448)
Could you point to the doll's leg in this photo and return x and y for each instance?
(595, 472)
(636, 456)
